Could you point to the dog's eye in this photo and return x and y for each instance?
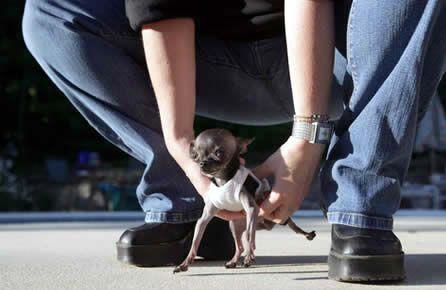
(193, 155)
(219, 153)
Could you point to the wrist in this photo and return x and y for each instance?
(179, 150)
(310, 118)
(178, 146)
(314, 128)
(297, 144)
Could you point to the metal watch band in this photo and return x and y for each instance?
(315, 132)
(302, 130)
(312, 118)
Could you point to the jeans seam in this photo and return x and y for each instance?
(279, 67)
(258, 60)
(275, 68)
(361, 215)
(173, 217)
(350, 46)
(205, 57)
(212, 61)
(360, 220)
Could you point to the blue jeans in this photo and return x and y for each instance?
(389, 60)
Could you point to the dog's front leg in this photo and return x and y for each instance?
(209, 212)
(237, 228)
(252, 210)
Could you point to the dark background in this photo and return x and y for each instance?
(38, 124)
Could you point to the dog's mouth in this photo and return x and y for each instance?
(210, 171)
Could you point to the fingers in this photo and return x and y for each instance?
(230, 215)
(276, 208)
(280, 214)
(270, 204)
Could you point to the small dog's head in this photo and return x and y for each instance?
(213, 149)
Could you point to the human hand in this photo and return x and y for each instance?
(293, 166)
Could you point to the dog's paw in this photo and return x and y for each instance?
(311, 235)
(230, 265)
(248, 261)
(180, 268)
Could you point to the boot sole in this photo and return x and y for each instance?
(376, 268)
(155, 255)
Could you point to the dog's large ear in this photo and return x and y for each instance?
(242, 144)
(192, 152)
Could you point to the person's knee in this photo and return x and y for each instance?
(33, 25)
(43, 25)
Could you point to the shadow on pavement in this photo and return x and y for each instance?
(425, 269)
(421, 269)
(272, 261)
(263, 262)
(240, 272)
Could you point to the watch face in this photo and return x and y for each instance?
(323, 134)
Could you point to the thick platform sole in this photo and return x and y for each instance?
(156, 255)
(349, 268)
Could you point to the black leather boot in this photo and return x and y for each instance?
(163, 244)
(364, 255)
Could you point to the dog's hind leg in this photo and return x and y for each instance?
(298, 230)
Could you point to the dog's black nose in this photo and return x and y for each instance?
(202, 164)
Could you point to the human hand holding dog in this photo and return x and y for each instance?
(310, 52)
(293, 166)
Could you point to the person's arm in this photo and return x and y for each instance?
(170, 55)
(169, 47)
(309, 28)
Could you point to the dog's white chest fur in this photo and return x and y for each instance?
(227, 196)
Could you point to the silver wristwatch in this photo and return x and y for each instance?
(313, 130)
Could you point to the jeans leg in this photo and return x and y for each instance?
(239, 82)
(90, 53)
(396, 55)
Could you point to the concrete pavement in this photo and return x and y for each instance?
(83, 256)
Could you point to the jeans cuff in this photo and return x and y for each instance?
(172, 217)
(360, 220)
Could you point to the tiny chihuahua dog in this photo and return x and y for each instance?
(234, 188)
